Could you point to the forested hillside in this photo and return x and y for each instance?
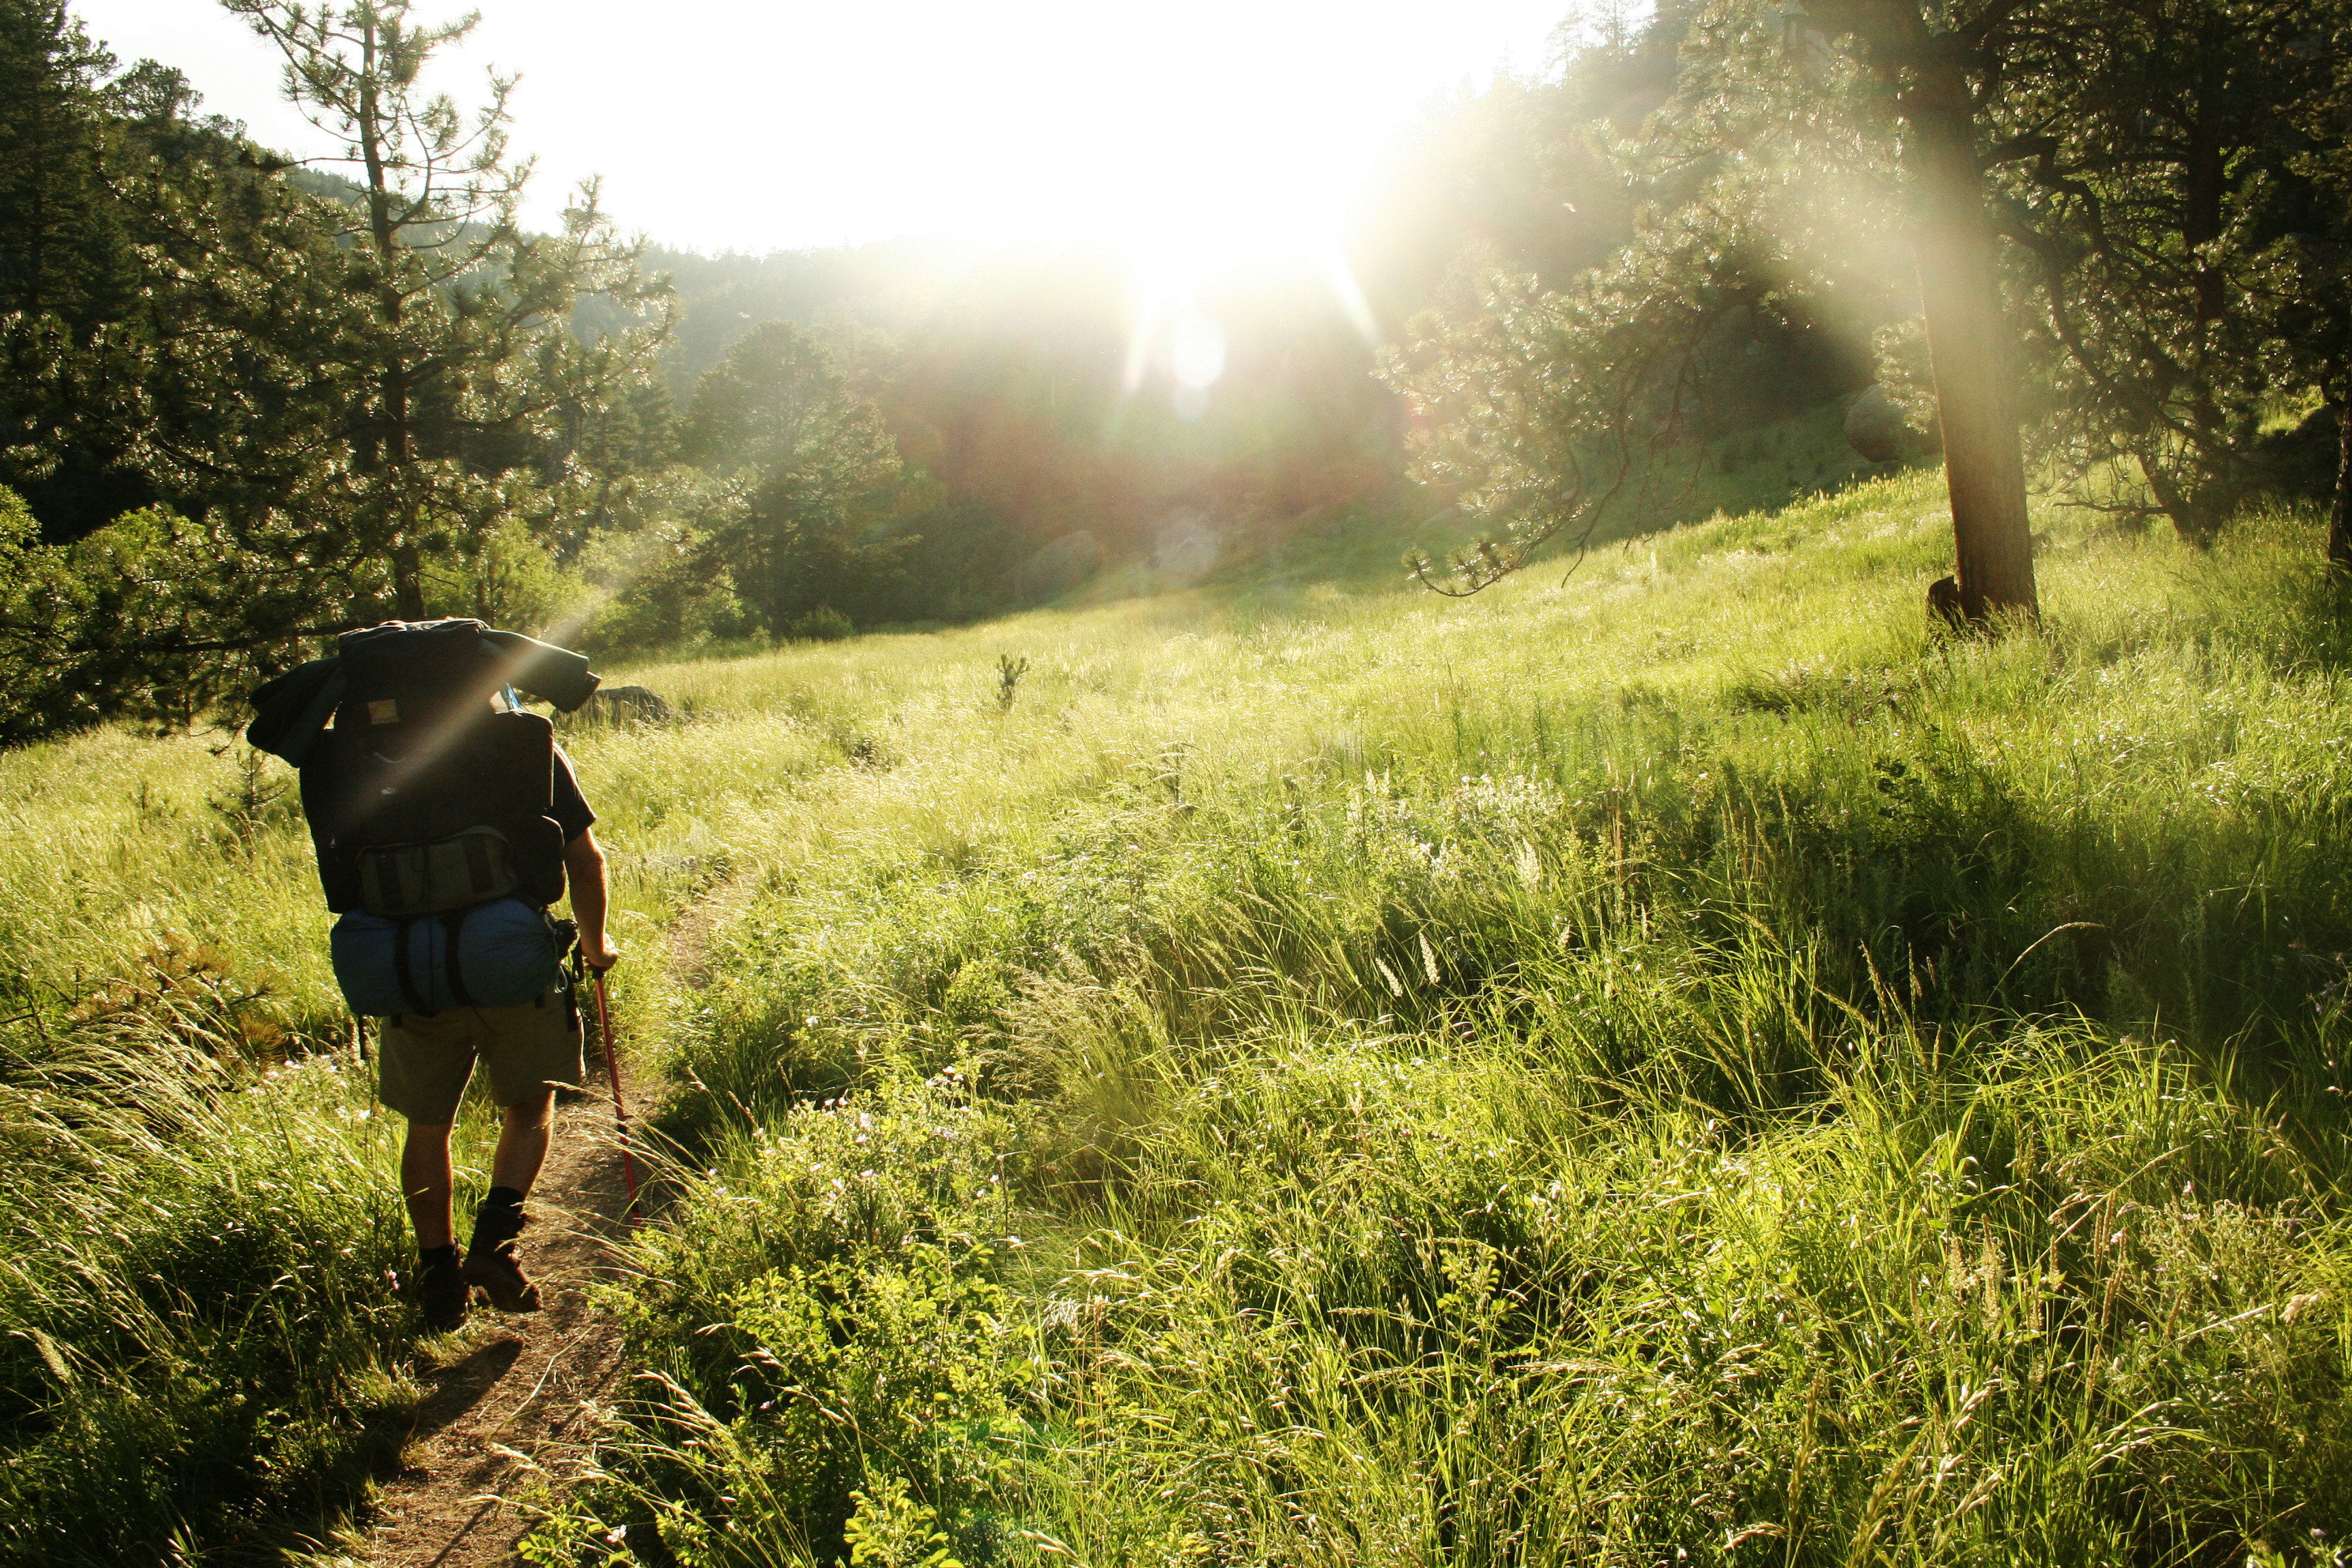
(250, 401)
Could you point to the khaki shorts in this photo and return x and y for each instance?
(424, 1061)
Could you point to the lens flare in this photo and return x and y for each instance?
(1197, 349)
(1194, 248)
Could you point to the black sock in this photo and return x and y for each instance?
(498, 1220)
(431, 1256)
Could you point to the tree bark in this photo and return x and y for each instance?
(400, 444)
(2339, 518)
(407, 582)
(1959, 293)
(2193, 524)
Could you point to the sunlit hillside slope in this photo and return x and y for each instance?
(1678, 1063)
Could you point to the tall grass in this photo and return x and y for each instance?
(202, 1355)
(1682, 1065)
(1678, 1063)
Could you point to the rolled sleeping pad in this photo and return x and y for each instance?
(557, 674)
(506, 953)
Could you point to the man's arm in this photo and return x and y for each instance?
(583, 864)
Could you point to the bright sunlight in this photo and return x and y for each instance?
(1188, 138)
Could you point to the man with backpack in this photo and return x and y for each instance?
(446, 823)
(422, 1063)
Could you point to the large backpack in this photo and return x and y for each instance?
(428, 793)
(424, 794)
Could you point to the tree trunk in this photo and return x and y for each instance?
(407, 582)
(2339, 518)
(1959, 293)
(399, 449)
(2194, 524)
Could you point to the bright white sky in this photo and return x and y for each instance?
(1188, 134)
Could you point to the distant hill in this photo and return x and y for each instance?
(890, 283)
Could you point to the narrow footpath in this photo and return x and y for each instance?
(518, 1414)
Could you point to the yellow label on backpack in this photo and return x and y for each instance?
(383, 711)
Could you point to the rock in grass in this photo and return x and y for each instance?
(1873, 426)
(625, 705)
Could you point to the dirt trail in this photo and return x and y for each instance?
(518, 1411)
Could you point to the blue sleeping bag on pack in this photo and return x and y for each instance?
(498, 954)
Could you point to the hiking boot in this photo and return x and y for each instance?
(501, 1277)
(442, 1292)
(491, 1262)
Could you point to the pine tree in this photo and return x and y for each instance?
(2153, 165)
(60, 249)
(67, 272)
(453, 310)
(1928, 71)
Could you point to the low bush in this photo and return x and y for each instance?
(824, 624)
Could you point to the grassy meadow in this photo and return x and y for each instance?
(1674, 1061)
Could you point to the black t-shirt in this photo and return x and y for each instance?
(569, 807)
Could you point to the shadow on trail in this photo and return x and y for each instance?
(458, 1387)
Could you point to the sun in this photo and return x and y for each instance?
(1179, 244)
(1177, 241)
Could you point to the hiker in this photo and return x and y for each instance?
(423, 1063)
(446, 823)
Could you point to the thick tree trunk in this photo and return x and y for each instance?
(1960, 296)
(2339, 518)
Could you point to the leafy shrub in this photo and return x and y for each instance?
(127, 622)
(660, 596)
(505, 577)
(824, 624)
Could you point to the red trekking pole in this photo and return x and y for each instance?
(620, 1110)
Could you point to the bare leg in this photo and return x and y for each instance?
(425, 1183)
(522, 1144)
